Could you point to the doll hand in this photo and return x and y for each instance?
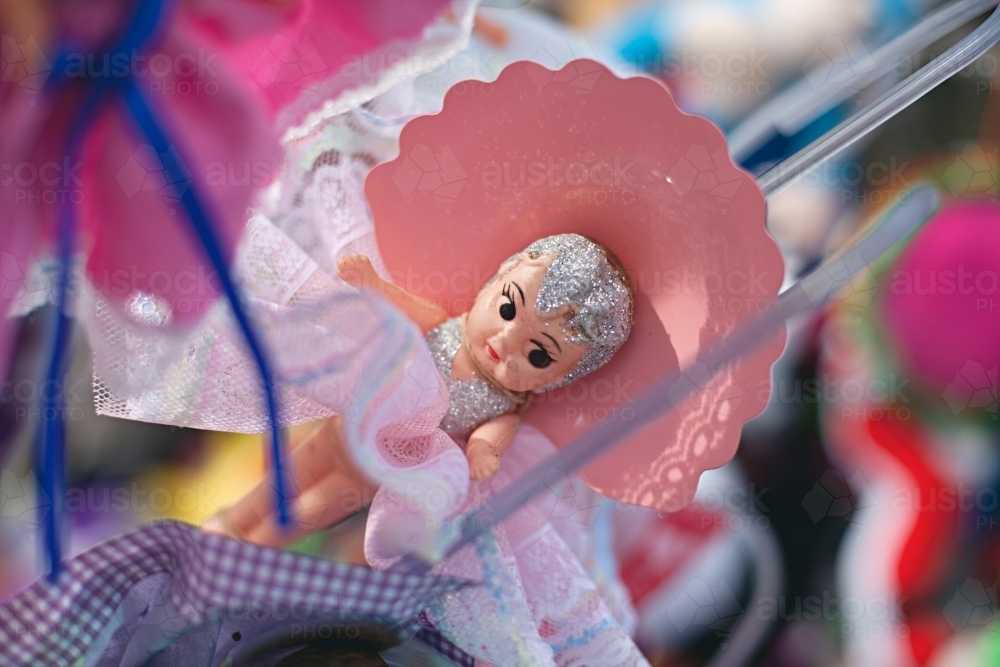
(483, 463)
(357, 270)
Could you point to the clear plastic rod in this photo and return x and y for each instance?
(806, 295)
(673, 389)
(805, 101)
(901, 96)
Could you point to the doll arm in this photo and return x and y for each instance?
(357, 271)
(488, 443)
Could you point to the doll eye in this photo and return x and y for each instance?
(508, 310)
(539, 358)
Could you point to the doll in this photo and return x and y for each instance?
(552, 313)
(659, 191)
(401, 388)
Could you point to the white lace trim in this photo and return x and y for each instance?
(436, 47)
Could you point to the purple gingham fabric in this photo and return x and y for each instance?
(57, 623)
(431, 636)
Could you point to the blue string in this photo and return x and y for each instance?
(50, 445)
(177, 175)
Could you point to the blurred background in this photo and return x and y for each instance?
(859, 523)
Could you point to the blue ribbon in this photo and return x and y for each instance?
(50, 442)
(202, 226)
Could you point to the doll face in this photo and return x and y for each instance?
(521, 349)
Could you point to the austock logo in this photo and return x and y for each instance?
(184, 73)
(845, 276)
(698, 377)
(831, 497)
(974, 387)
(835, 61)
(422, 389)
(424, 169)
(19, 500)
(24, 64)
(860, 616)
(144, 171)
(974, 171)
(50, 182)
(568, 498)
(13, 276)
(705, 171)
(286, 62)
(579, 76)
(974, 605)
(704, 604)
(163, 615)
(29, 282)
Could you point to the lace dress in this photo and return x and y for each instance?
(544, 598)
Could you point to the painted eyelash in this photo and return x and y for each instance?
(540, 345)
(508, 311)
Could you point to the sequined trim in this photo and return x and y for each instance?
(470, 402)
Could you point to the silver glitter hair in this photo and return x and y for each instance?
(582, 276)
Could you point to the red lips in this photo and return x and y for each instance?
(493, 353)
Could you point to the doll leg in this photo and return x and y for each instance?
(329, 489)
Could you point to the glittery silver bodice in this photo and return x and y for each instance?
(470, 402)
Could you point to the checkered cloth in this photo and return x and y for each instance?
(198, 577)
(431, 636)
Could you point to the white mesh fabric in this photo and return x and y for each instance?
(202, 378)
(333, 351)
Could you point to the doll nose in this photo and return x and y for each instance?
(511, 338)
(501, 343)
